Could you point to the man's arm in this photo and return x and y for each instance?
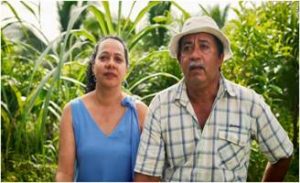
(145, 178)
(276, 172)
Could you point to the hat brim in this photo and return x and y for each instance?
(173, 46)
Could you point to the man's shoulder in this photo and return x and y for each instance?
(241, 91)
(167, 95)
(237, 87)
(171, 89)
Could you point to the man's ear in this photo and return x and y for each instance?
(179, 56)
(221, 59)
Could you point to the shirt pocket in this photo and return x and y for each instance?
(232, 147)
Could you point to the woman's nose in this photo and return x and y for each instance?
(110, 63)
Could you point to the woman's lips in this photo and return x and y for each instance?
(109, 74)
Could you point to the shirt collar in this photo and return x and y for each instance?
(224, 87)
(227, 86)
(181, 94)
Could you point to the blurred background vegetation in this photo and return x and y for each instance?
(39, 77)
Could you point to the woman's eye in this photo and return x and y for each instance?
(103, 58)
(119, 60)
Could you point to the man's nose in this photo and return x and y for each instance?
(196, 53)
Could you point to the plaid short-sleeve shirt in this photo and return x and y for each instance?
(175, 148)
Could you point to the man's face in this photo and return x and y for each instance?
(199, 58)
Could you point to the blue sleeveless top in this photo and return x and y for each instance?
(100, 157)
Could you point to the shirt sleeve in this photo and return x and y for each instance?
(150, 157)
(272, 138)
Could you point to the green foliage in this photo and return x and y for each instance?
(36, 84)
(159, 14)
(144, 74)
(40, 77)
(218, 14)
(257, 164)
(65, 12)
(34, 169)
(265, 44)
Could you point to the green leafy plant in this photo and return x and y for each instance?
(39, 77)
(265, 43)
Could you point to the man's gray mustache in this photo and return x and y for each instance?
(196, 65)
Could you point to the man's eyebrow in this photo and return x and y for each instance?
(203, 40)
(187, 41)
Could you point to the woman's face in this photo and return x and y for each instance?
(110, 64)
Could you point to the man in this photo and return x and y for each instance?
(201, 128)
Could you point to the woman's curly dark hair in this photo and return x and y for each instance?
(90, 77)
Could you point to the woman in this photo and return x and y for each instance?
(100, 131)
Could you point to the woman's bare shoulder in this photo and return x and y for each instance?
(142, 110)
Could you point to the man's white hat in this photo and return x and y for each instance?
(197, 25)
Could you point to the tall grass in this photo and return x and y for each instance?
(32, 101)
(37, 82)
